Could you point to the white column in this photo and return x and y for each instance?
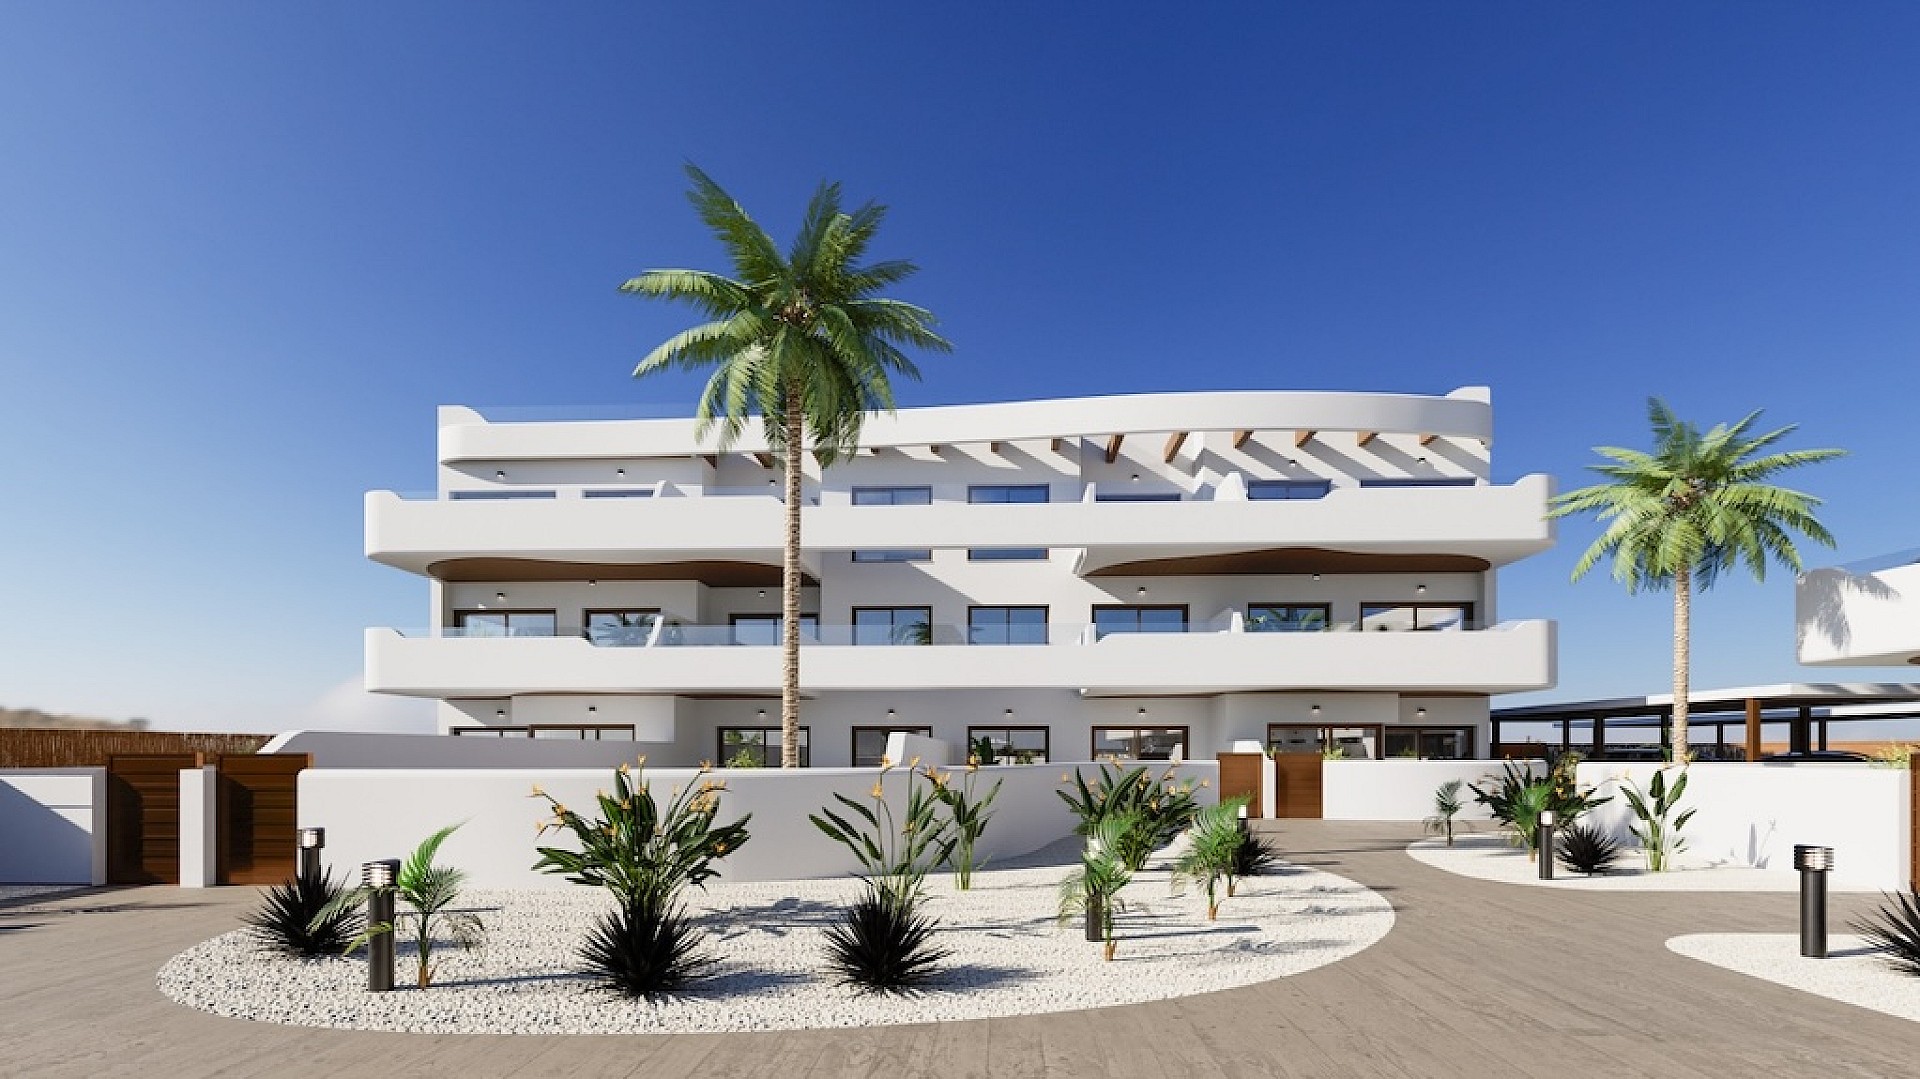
(199, 827)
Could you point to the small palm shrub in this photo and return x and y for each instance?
(1160, 809)
(1211, 845)
(431, 890)
(1895, 931)
(1093, 890)
(1586, 849)
(643, 949)
(301, 916)
(1446, 805)
(1252, 857)
(883, 946)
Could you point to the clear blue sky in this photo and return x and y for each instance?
(246, 248)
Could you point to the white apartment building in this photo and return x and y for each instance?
(1862, 614)
(1145, 576)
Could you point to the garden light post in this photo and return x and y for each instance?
(1813, 863)
(311, 841)
(380, 877)
(1544, 840)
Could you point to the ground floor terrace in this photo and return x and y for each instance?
(1475, 978)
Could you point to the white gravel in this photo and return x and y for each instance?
(1852, 973)
(1010, 957)
(1491, 857)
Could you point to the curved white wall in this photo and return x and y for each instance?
(1859, 619)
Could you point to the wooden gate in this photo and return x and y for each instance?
(1297, 785)
(257, 809)
(1240, 778)
(143, 817)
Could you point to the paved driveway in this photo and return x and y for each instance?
(1476, 979)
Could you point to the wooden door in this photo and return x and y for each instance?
(143, 817)
(1240, 778)
(256, 815)
(1298, 785)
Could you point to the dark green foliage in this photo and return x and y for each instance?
(883, 946)
(642, 949)
(895, 853)
(639, 850)
(1895, 931)
(1563, 796)
(1252, 857)
(1586, 849)
(1160, 808)
(301, 916)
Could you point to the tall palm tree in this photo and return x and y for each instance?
(802, 341)
(1693, 508)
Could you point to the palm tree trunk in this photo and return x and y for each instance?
(1682, 660)
(790, 593)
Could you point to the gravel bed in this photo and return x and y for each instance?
(1491, 857)
(1852, 973)
(1010, 957)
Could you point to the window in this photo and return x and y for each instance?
(870, 743)
(1140, 743)
(1288, 617)
(1137, 619)
(1419, 481)
(486, 495)
(1024, 493)
(893, 625)
(505, 623)
(893, 496)
(1416, 616)
(621, 629)
(619, 492)
(1009, 745)
(764, 629)
(489, 732)
(756, 747)
(1430, 743)
(1130, 496)
(583, 732)
(1355, 742)
(1287, 490)
(1006, 554)
(1006, 625)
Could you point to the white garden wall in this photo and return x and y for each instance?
(352, 749)
(383, 813)
(1395, 790)
(54, 824)
(1754, 814)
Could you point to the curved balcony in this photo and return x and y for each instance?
(1865, 614)
(1483, 525)
(1510, 657)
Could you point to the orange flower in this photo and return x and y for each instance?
(877, 791)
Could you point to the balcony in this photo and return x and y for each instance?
(1866, 614)
(1465, 528)
(1509, 657)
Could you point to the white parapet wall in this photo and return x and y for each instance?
(1754, 814)
(355, 749)
(54, 824)
(384, 813)
(1392, 790)
(199, 827)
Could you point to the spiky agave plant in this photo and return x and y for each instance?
(1895, 931)
(1586, 849)
(883, 944)
(298, 917)
(643, 948)
(1252, 857)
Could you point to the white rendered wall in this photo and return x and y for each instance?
(350, 749)
(1401, 790)
(383, 813)
(1864, 619)
(1754, 814)
(199, 827)
(54, 821)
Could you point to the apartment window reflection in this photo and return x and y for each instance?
(764, 629)
(621, 629)
(1416, 616)
(1287, 490)
(893, 496)
(505, 623)
(893, 625)
(870, 743)
(757, 747)
(1140, 743)
(1288, 617)
(1138, 618)
(1430, 743)
(1006, 625)
(1009, 745)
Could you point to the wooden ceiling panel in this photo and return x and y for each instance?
(1295, 560)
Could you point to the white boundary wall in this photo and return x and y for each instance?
(54, 826)
(1754, 814)
(384, 813)
(356, 749)
(1394, 790)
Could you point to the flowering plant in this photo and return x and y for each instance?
(638, 850)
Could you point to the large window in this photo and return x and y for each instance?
(1416, 616)
(1006, 625)
(1134, 496)
(1288, 617)
(622, 628)
(1287, 490)
(1002, 494)
(1009, 745)
(505, 623)
(756, 747)
(893, 496)
(1139, 619)
(893, 625)
(764, 629)
(870, 743)
(1419, 481)
(1353, 742)
(1430, 743)
(1140, 743)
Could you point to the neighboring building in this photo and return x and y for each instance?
(1864, 614)
(1152, 575)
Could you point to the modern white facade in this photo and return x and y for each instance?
(1140, 575)
(1865, 614)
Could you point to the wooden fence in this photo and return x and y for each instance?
(34, 747)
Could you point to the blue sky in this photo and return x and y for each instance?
(245, 249)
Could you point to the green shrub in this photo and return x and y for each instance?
(641, 949)
(1446, 805)
(303, 916)
(431, 890)
(1211, 846)
(1894, 931)
(967, 814)
(1093, 890)
(1586, 849)
(895, 853)
(1159, 809)
(883, 946)
(641, 851)
(1659, 836)
(1252, 857)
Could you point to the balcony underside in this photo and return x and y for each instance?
(711, 572)
(1279, 560)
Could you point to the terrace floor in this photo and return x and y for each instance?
(1476, 978)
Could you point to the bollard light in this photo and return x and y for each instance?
(1813, 863)
(1543, 829)
(311, 840)
(380, 877)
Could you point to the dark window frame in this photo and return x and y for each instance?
(1186, 615)
(1046, 631)
(806, 744)
(975, 730)
(1322, 489)
(1380, 483)
(1325, 609)
(1326, 734)
(924, 730)
(853, 625)
(1419, 730)
(734, 620)
(1186, 738)
(460, 616)
(1466, 607)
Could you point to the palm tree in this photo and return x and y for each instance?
(804, 342)
(1693, 508)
